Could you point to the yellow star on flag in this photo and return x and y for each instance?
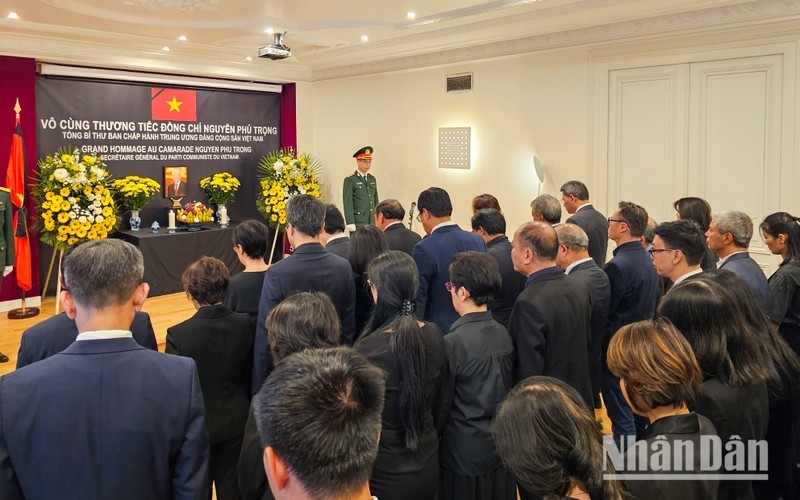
(174, 105)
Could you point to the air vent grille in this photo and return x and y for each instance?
(459, 83)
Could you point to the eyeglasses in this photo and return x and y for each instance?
(449, 286)
(364, 161)
(653, 251)
(610, 220)
(418, 219)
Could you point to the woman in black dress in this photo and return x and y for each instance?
(783, 372)
(699, 211)
(733, 394)
(221, 343)
(660, 377)
(412, 355)
(366, 243)
(781, 233)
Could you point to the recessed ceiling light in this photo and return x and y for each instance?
(182, 38)
(12, 15)
(248, 58)
(269, 30)
(411, 15)
(165, 48)
(364, 38)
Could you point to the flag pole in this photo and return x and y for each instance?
(23, 311)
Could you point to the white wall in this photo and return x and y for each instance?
(548, 103)
(519, 106)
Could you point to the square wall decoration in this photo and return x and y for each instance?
(454, 147)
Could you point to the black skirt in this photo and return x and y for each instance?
(498, 484)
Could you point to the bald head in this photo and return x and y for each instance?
(540, 238)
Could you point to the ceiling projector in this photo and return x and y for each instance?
(276, 50)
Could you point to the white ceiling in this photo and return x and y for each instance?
(325, 36)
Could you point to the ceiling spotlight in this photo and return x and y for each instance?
(269, 30)
(182, 38)
(248, 58)
(12, 15)
(364, 38)
(165, 48)
(411, 15)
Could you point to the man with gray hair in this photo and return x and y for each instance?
(546, 208)
(729, 236)
(575, 197)
(106, 418)
(573, 257)
(551, 320)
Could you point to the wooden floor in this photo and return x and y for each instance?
(165, 311)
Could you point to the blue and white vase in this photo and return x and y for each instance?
(135, 220)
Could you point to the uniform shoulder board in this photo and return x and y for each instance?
(5, 189)
(351, 175)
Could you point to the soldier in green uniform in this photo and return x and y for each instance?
(360, 192)
(6, 240)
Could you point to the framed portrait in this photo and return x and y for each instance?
(175, 181)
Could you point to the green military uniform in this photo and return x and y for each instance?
(360, 194)
(7, 231)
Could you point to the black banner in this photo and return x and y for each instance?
(139, 129)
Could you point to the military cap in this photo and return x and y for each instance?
(364, 153)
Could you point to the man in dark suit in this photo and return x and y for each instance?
(678, 247)
(729, 236)
(332, 237)
(491, 226)
(575, 197)
(106, 418)
(389, 215)
(177, 187)
(634, 293)
(573, 258)
(434, 254)
(309, 269)
(551, 321)
(55, 334)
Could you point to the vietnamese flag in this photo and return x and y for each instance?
(15, 176)
(174, 105)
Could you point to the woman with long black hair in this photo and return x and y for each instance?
(365, 244)
(412, 354)
(783, 372)
(733, 394)
(781, 233)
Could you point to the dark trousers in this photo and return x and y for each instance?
(596, 366)
(623, 421)
(222, 469)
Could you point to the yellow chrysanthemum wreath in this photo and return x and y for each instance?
(74, 202)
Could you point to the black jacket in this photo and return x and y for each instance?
(399, 237)
(55, 334)
(340, 247)
(684, 428)
(735, 411)
(595, 225)
(477, 377)
(513, 282)
(551, 325)
(220, 342)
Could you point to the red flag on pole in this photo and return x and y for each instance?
(15, 180)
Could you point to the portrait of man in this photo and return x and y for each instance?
(175, 179)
